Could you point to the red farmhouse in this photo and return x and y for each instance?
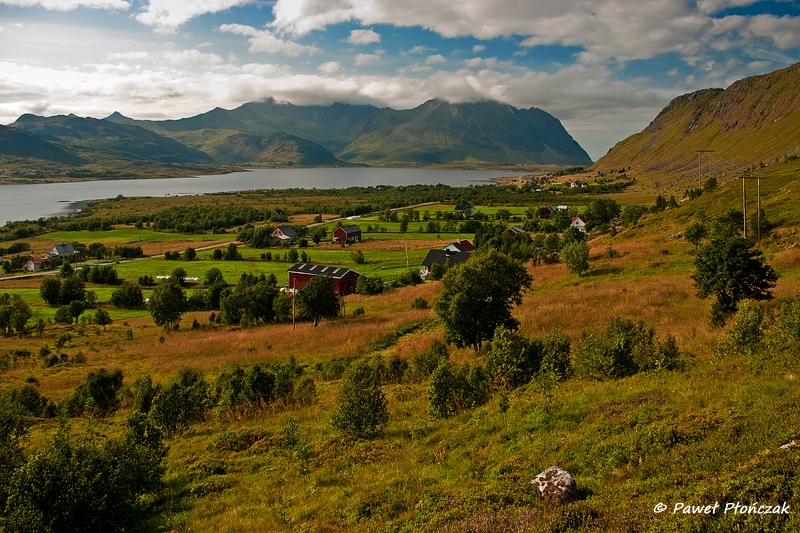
(343, 279)
(347, 234)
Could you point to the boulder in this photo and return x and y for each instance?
(557, 485)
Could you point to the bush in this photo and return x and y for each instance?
(455, 388)
(128, 296)
(369, 285)
(512, 359)
(745, 336)
(99, 394)
(625, 348)
(362, 406)
(426, 362)
(180, 403)
(419, 303)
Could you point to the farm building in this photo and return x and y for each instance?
(285, 233)
(347, 235)
(343, 279)
(514, 231)
(279, 215)
(465, 210)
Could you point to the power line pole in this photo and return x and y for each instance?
(744, 204)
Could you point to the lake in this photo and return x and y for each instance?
(30, 202)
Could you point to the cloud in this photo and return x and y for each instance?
(69, 5)
(478, 48)
(265, 41)
(363, 37)
(129, 55)
(366, 59)
(165, 16)
(605, 30)
(419, 49)
(435, 58)
(330, 67)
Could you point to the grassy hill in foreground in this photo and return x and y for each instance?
(753, 123)
(708, 432)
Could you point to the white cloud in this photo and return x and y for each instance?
(69, 5)
(330, 67)
(363, 37)
(186, 57)
(366, 59)
(435, 58)
(419, 49)
(167, 15)
(265, 41)
(478, 48)
(129, 55)
(481, 62)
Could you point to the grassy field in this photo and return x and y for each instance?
(709, 431)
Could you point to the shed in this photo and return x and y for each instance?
(514, 231)
(279, 215)
(343, 279)
(347, 235)
(465, 210)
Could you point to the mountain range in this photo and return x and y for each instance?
(753, 123)
(436, 132)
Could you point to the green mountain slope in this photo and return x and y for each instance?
(435, 132)
(18, 143)
(753, 123)
(121, 140)
(279, 148)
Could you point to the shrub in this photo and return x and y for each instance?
(625, 348)
(426, 362)
(512, 359)
(180, 403)
(369, 285)
(99, 393)
(745, 336)
(556, 354)
(455, 388)
(419, 303)
(362, 406)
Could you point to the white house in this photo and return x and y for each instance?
(62, 250)
(578, 222)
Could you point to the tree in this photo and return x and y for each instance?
(72, 288)
(167, 304)
(76, 308)
(179, 275)
(477, 296)
(730, 270)
(49, 289)
(318, 300)
(102, 318)
(576, 256)
(231, 253)
(213, 275)
(189, 254)
(363, 410)
(128, 296)
(14, 314)
(696, 233)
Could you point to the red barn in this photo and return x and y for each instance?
(347, 235)
(343, 279)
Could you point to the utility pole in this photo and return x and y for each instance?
(700, 165)
(744, 204)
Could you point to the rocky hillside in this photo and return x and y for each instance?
(753, 123)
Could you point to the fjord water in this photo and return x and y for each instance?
(30, 202)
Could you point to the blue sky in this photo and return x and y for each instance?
(603, 67)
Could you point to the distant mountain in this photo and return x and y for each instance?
(121, 140)
(435, 132)
(22, 144)
(278, 148)
(755, 121)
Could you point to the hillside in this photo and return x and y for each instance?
(22, 144)
(278, 148)
(435, 132)
(753, 123)
(120, 140)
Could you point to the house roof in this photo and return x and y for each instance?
(64, 248)
(440, 256)
(578, 218)
(316, 270)
(350, 229)
(286, 230)
(516, 230)
(462, 207)
(462, 246)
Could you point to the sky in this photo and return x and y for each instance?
(605, 68)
